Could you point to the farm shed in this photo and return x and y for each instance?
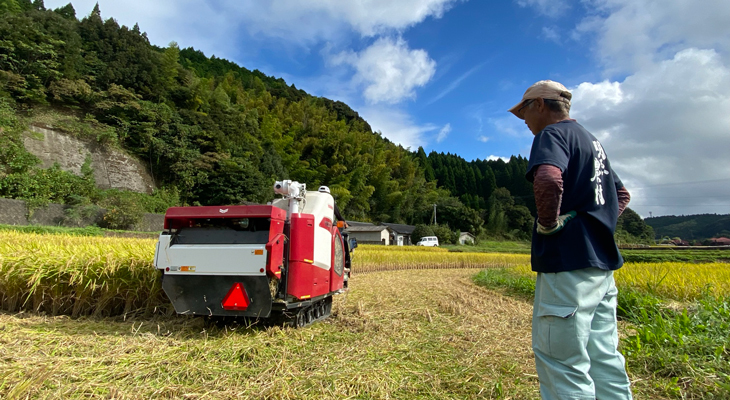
(370, 234)
(401, 233)
(466, 237)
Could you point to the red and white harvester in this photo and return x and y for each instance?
(281, 261)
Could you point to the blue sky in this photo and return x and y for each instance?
(650, 78)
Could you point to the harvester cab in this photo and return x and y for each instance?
(281, 261)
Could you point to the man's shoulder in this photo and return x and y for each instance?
(567, 128)
(565, 125)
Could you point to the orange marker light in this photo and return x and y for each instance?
(258, 252)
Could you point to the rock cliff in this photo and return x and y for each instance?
(113, 168)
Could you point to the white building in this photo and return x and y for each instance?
(401, 233)
(370, 234)
(466, 237)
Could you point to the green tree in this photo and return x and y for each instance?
(9, 7)
(632, 223)
(421, 231)
(169, 66)
(445, 235)
(66, 11)
(28, 56)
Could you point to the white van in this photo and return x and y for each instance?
(431, 241)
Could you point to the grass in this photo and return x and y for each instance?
(671, 255)
(676, 318)
(492, 246)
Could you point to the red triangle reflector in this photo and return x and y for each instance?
(236, 299)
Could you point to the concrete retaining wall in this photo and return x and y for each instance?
(15, 212)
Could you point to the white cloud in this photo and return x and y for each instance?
(319, 19)
(389, 70)
(483, 139)
(550, 8)
(293, 20)
(455, 83)
(443, 133)
(632, 34)
(666, 124)
(210, 27)
(216, 27)
(495, 158)
(397, 125)
(511, 126)
(551, 34)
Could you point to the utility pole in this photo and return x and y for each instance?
(434, 214)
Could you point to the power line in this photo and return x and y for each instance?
(681, 183)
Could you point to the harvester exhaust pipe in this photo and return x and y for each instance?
(293, 191)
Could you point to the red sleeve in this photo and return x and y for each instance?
(548, 188)
(623, 199)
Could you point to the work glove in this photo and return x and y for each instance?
(562, 220)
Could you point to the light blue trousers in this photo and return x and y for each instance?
(574, 337)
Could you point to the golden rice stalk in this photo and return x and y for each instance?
(63, 274)
(671, 280)
(392, 258)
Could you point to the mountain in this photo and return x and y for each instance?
(212, 132)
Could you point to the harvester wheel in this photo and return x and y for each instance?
(301, 319)
(317, 312)
(310, 316)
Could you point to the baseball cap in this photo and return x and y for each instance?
(549, 90)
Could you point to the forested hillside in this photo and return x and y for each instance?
(691, 227)
(213, 132)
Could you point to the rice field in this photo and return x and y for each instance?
(372, 258)
(77, 275)
(669, 280)
(402, 335)
(84, 275)
(396, 333)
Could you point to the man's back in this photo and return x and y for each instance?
(589, 186)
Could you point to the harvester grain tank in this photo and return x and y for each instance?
(280, 261)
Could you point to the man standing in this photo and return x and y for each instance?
(579, 199)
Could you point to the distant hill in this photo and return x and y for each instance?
(691, 227)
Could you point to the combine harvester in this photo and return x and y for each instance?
(282, 262)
